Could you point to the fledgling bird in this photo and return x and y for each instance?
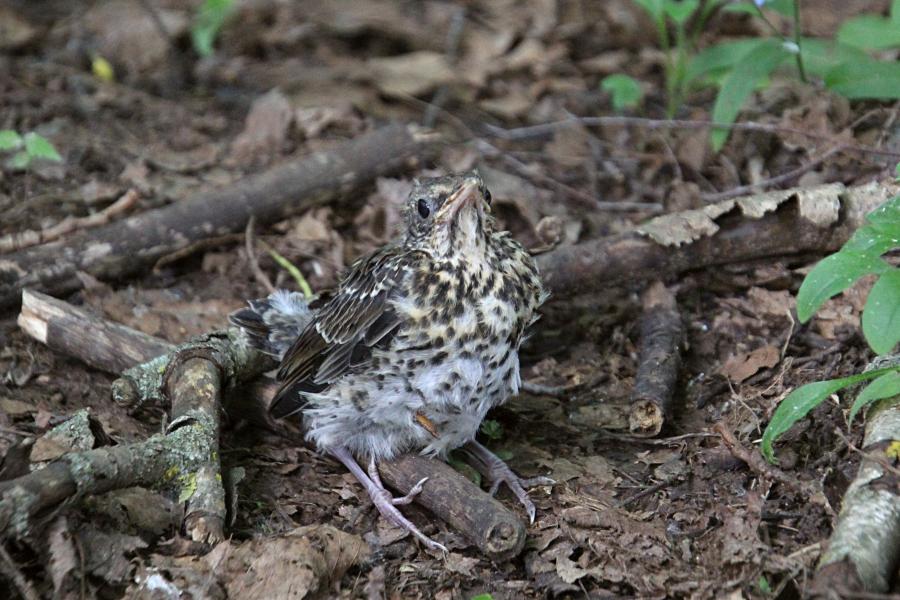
(419, 340)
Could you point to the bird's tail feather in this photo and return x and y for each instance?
(272, 324)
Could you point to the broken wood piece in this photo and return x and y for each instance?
(659, 361)
(493, 528)
(863, 553)
(782, 223)
(496, 531)
(137, 242)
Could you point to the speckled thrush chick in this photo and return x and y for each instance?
(417, 343)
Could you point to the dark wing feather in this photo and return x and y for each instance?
(341, 335)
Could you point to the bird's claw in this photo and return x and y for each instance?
(497, 472)
(387, 507)
(411, 495)
(500, 473)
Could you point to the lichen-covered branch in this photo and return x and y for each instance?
(864, 550)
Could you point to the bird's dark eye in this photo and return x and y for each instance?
(487, 196)
(423, 208)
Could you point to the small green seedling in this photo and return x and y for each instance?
(861, 255)
(491, 429)
(625, 91)
(208, 20)
(27, 149)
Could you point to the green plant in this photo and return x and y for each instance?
(625, 91)
(737, 68)
(861, 255)
(491, 429)
(27, 148)
(208, 20)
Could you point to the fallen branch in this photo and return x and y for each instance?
(659, 362)
(459, 502)
(864, 550)
(30, 237)
(493, 528)
(137, 242)
(782, 223)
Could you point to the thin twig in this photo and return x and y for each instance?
(758, 465)
(249, 246)
(532, 131)
(9, 568)
(30, 237)
(882, 462)
(773, 181)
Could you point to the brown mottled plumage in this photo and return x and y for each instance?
(417, 343)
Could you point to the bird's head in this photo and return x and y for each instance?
(449, 215)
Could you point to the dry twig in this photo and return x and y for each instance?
(24, 239)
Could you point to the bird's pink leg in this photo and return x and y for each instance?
(382, 499)
(497, 471)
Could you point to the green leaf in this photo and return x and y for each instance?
(464, 468)
(872, 240)
(821, 56)
(681, 11)
(719, 58)
(491, 429)
(482, 597)
(798, 403)
(887, 217)
(832, 275)
(625, 91)
(881, 315)
(19, 161)
(871, 32)
(741, 81)
(867, 79)
(37, 146)
(897, 172)
(9, 140)
(209, 19)
(884, 387)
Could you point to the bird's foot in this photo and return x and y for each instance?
(383, 500)
(492, 466)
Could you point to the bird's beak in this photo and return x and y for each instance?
(466, 195)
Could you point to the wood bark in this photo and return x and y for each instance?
(135, 243)
(659, 361)
(863, 553)
(493, 528)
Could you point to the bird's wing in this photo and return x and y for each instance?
(358, 317)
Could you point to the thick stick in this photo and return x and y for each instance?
(133, 244)
(731, 231)
(864, 550)
(491, 526)
(658, 363)
(459, 502)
